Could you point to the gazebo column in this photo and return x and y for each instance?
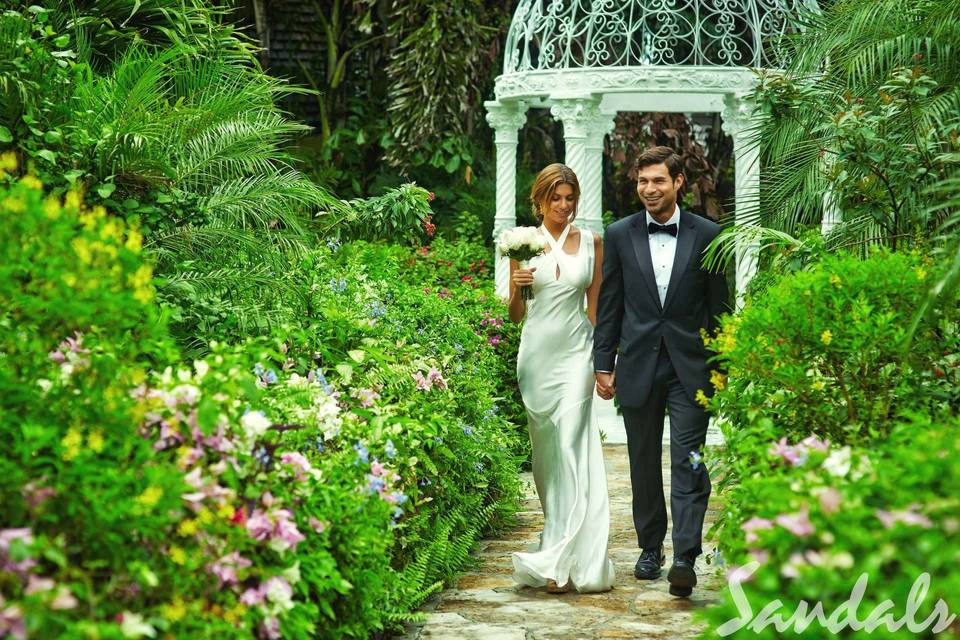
(584, 128)
(506, 119)
(738, 120)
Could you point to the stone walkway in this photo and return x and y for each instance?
(487, 605)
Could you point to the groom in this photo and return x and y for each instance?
(655, 299)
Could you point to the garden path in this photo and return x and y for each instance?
(485, 604)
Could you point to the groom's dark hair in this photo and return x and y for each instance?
(661, 155)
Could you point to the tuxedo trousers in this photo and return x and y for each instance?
(689, 480)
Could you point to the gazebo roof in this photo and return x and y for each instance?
(549, 39)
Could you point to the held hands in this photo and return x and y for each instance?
(523, 277)
(606, 384)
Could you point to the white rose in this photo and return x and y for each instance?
(202, 368)
(134, 626)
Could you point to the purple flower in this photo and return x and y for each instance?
(390, 450)
(302, 468)
(436, 378)
(362, 454)
(422, 383)
(225, 569)
(259, 525)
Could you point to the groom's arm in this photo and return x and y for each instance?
(606, 335)
(718, 298)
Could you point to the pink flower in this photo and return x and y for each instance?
(797, 523)
(907, 516)
(793, 455)
(302, 468)
(252, 597)
(830, 500)
(376, 468)
(760, 555)
(36, 495)
(270, 628)
(755, 524)
(813, 442)
(286, 535)
(226, 568)
(36, 584)
(64, 599)
(435, 377)
(366, 397)
(493, 340)
(422, 383)
(259, 525)
(11, 622)
(58, 357)
(317, 526)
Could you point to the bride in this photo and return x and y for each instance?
(555, 371)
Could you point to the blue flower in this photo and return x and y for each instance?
(319, 444)
(458, 368)
(695, 459)
(426, 482)
(468, 430)
(270, 377)
(397, 513)
(479, 467)
(333, 244)
(262, 456)
(338, 286)
(458, 348)
(398, 497)
(362, 454)
(317, 375)
(390, 450)
(438, 439)
(376, 309)
(374, 484)
(718, 558)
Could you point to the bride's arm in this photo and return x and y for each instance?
(593, 291)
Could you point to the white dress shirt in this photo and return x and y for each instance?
(663, 248)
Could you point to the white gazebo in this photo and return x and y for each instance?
(586, 60)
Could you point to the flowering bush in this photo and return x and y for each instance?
(823, 350)
(305, 483)
(815, 517)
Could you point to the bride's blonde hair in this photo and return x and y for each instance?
(549, 178)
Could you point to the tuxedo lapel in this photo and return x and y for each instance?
(686, 240)
(641, 247)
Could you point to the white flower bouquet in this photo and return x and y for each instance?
(522, 244)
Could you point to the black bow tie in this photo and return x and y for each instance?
(653, 227)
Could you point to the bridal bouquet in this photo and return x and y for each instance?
(522, 244)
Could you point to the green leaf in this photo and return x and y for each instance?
(106, 189)
(52, 137)
(452, 164)
(361, 137)
(48, 155)
(356, 355)
(345, 371)
(131, 203)
(72, 176)
(5, 135)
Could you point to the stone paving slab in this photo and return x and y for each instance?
(487, 604)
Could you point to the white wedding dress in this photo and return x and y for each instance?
(555, 371)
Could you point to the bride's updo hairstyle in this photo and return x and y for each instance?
(549, 178)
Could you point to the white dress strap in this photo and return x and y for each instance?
(556, 246)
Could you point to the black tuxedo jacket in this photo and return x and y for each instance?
(632, 325)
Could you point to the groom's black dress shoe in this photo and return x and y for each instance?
(682, 577)
(648, 566)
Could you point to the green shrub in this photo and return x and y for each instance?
(822, 351)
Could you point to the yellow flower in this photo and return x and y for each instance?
(8, 161)
(71, 444)
(143, 295)
(826, 337)
(187, 528)
(175, 610)
(150, 497)
(234, 615)
(718, 380)
(702, 398)
(112, 230)
(82, 248)
(141, 277)
(69, 279)
(178, 555)
(205, 516)
(819, 385)
(51, 207)
(14, 205)
(921, 273)
(134, 240)
(226, 511)
(73, 199)
(834, 279)
(95, 441)
(31, 182)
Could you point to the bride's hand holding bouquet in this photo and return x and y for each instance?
(522, 244)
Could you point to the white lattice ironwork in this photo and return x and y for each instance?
(567, 34)
(586, 59)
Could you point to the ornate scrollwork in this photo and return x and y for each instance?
(566, 34)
